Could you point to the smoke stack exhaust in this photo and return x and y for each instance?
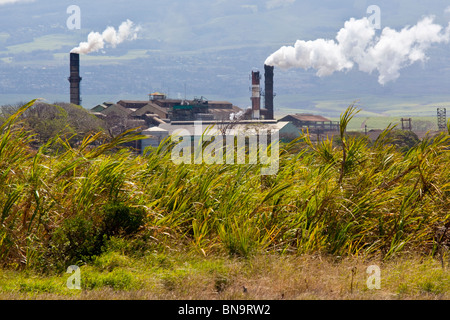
(75, 79)
(268, 91)
(256, 95)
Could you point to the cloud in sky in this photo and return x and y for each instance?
(3, 2)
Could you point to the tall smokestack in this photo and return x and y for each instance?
(75, 79)
(256, 95)
(268, 91)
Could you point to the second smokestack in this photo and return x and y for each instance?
(268, 91)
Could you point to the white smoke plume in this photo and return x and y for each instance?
(357, 43)
(96, 41)
(237, 116)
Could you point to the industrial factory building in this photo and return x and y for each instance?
(180, 110)
(160, 109)
(314, 123)
(286, 130)
(160, 116)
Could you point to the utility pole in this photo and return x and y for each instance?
(442, 118)
(408, 125)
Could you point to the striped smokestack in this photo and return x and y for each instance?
(268, 91)
(75, 79)
(256, 95)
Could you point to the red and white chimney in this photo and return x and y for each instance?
(256, 95)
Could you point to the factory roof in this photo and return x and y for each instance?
(219, 102)
(149, 108)
(132, 103)
(171, 100)
(117, 109)
(305, 117)
(98, 108)
(154, 129)
(215, 127)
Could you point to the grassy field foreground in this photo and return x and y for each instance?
(145, 227)
(186, 276)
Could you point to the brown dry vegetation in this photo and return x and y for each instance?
(265, 277)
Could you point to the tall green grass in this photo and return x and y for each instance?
(347, 198)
